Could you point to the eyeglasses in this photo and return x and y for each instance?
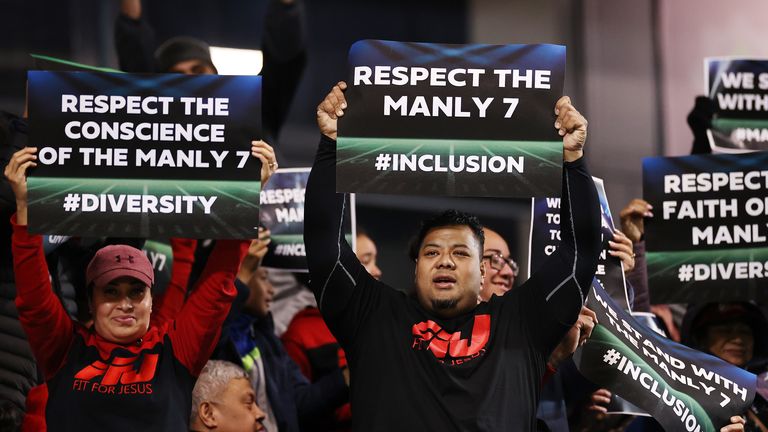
(498, 261)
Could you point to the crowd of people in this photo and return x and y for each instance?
(91, 341)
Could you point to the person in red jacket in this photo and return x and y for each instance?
(127, 371)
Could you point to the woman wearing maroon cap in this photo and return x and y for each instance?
(737, 333)
(132, 370)
(734, 332)
(119, 278)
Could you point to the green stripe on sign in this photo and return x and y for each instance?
(726, 124)
(667, 260)
(288, 238)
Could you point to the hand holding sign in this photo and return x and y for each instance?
(600, 400)
(259, 246)
(572, 126)
(330, 109)
(16, 173)
(576, 336)
(256, 251)
(737, 425)
(621, 248)
(266, 154)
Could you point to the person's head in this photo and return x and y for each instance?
(728, 331)
(500, 269)
(366, 252)
(449, 271)
(184, 55)
(223, 400)
(260, 293)
(118, 280)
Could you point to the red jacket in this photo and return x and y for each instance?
(311, 345)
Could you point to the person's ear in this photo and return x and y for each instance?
(207, 414)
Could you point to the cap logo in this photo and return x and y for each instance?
(129, 258)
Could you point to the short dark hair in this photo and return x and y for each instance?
(446, 219)
(179, 49)
(361, 231)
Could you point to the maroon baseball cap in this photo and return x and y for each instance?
(112, 262)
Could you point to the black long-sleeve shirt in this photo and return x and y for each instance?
(480, 371)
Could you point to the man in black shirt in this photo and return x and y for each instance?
(446, 362)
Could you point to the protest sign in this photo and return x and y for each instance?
(144, 155)
(545, 238)
(52, 242)
(620, 405)
(683, 389)
(461, 120)
(708, 239)
(282, 213)
(738, 88)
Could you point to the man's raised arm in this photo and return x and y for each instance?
(334, 269)
(557, 290)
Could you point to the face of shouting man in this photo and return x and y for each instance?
(449, 270)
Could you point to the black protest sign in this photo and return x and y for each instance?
(738, 88)
(52, 242)
(545, 239)
(683, 389)
(461, 120)
(131, 155)
(708, 239)
(282, 213)
(617, 404)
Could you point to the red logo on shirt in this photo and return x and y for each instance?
(450, 348)
(122, 376)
